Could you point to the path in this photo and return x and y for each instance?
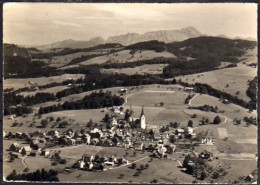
(129, 163)
(25, 166)
(176, 160)
(225, 120)
(193, 99)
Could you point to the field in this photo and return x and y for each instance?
(144, 69)
(24, 82)
(59, 61)
(53, 90)
(125, 56)
(231, 80)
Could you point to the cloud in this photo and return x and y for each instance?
(65, 23)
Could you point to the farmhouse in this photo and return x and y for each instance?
(139, 146)
(26, 150)
(14, 147)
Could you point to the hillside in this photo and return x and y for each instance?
(73, 44)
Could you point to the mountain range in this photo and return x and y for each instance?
(166, 36)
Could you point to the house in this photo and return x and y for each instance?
(82, 164)
(138, 146)
(86, 138)
(18, 135)
(40, 146)
(26, 150)
(179, 131)
(71, 142)
(207, 141)
(188, 89)
(14, 147)
(88, 158)
(252, 177)
(45, 153)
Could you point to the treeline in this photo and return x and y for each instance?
(38, 175)
(93, 101)
(18, 111)
(82, 59)
(157, 60)
(13, 99)
(67, 51)
(252, 90)
(178, 68)
(206, 108)
(96, 80)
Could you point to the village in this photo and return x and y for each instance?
(119, 130)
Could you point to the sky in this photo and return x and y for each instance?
(44, 23)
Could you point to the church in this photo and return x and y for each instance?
(136, 122)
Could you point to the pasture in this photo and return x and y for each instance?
(125, 56)
(24, 82)
(141, 70)
(231, 80)
(59, 61)
(53, 90)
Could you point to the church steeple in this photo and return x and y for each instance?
(142, 119)
(142, 113)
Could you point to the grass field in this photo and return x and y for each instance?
(144, 69)
(59, 61)
(125, 56)
(236, 78)
(24, 82)
(53, 90)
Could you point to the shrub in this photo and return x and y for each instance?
(217, 120)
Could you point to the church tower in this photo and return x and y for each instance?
(142, 119)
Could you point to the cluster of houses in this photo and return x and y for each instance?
(96, 162)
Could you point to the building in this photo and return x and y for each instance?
(142, 119)
(139, 146)
(26, 150)
(14, 147)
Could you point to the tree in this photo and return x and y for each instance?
(190, 123)
(90, 123)
(106, 118)
(146, 165)
(44, 123)
(141, 166)
(121, 109)
(194, 116)
(217, 120)
(161, 104)
(133, 165)
(203, 175)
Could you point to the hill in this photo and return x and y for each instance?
(73, 44)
